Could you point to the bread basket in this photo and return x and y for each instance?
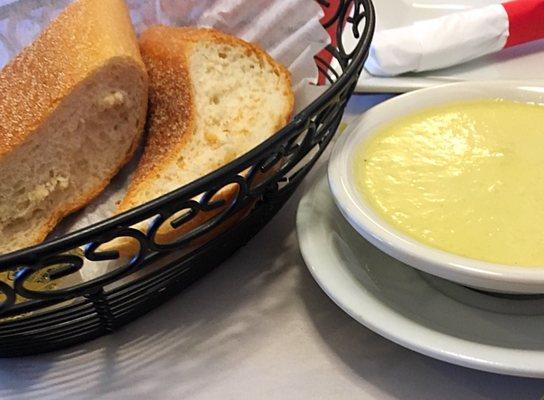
(38, 318)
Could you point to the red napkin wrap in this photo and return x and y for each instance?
(526, 19)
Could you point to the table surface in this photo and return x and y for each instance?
(258, 327)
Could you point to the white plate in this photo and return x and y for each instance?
(396, 301)
(522, 62)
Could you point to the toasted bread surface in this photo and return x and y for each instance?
(72, 110)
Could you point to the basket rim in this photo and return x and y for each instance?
(147, 210)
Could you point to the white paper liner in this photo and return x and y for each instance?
(289, 30)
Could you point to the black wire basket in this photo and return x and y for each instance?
(44, 303)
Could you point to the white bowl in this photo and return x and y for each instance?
(466, 271)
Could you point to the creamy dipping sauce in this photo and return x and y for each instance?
(467, 178)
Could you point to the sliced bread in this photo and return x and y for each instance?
(72, 109)
(213, 97)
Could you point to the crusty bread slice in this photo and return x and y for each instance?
(72, 109)
(213, 97)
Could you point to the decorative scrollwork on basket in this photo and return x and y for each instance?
(7, 296)
(348, 23)
(190, 216)
(193, 220)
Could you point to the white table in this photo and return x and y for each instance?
(258, 327)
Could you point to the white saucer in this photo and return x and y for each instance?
(423, 313)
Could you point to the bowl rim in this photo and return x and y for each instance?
(362, 217)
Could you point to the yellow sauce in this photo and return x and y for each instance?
(467, 178)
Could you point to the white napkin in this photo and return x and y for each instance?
(439, 43)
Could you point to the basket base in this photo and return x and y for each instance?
(165, 282)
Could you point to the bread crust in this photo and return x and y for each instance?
(86, 34)
(85, 37)
(171, 113)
